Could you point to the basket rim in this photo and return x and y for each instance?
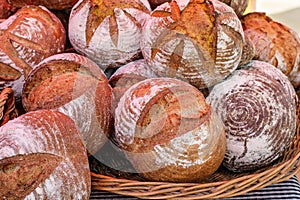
(281, 171)
(220, 189)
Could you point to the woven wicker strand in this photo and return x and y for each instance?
(7, 106)
(223, 185)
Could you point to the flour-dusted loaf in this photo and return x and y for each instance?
(274, 43)
(50, 4)
(193, 40)
(108, 31)
(258, 107)
(76, 86)
(42, 156)
(168, 131)
(129, 74)
(32, 34)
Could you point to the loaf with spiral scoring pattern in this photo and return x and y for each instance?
(258, 107)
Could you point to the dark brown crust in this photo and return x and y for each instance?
(51, 4)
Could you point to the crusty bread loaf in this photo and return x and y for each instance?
(32, 34)
(168, 132)
(274, 43)
(193, 40)
(42, 156)
(76, 86)
(108, 31)
(258, 107)
(50, 4)
(129, 74)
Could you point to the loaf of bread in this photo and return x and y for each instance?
(258, 107)
(50, 4)
(108, 31)
(42, 156)
(274, 43)
(129, 74)
(76, 86)
(168, 131)
(32, 34)
(196, 41)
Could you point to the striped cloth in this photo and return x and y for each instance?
(289, 189)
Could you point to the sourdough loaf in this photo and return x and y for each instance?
(76, 86)
(258, 107)
(274, 43)
(32, 34)
(42, 156)
(108, 31)
(198, 41)
(168, 131)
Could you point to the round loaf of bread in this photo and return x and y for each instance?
(42, 156)
(76, 86)
(129, 74)
(108, 31)
(196, 41)
(274, 43)
(168, 131)
(258, 107)
(29, 36)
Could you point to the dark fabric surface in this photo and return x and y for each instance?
(289, 189)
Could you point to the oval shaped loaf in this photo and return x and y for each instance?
(42, 156)
(108, 31)
(258, 107)
(168, 132)
(197, 41)
(32, 34)
(76, 86)
(129, 74)
(274, 43)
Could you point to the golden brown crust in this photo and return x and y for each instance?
(274, 43)
(196, 41)
(167, 131)
(29, 36)
(77, 87)
(42, 156)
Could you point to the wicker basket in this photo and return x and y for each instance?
(222, 184)
(8, 110)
